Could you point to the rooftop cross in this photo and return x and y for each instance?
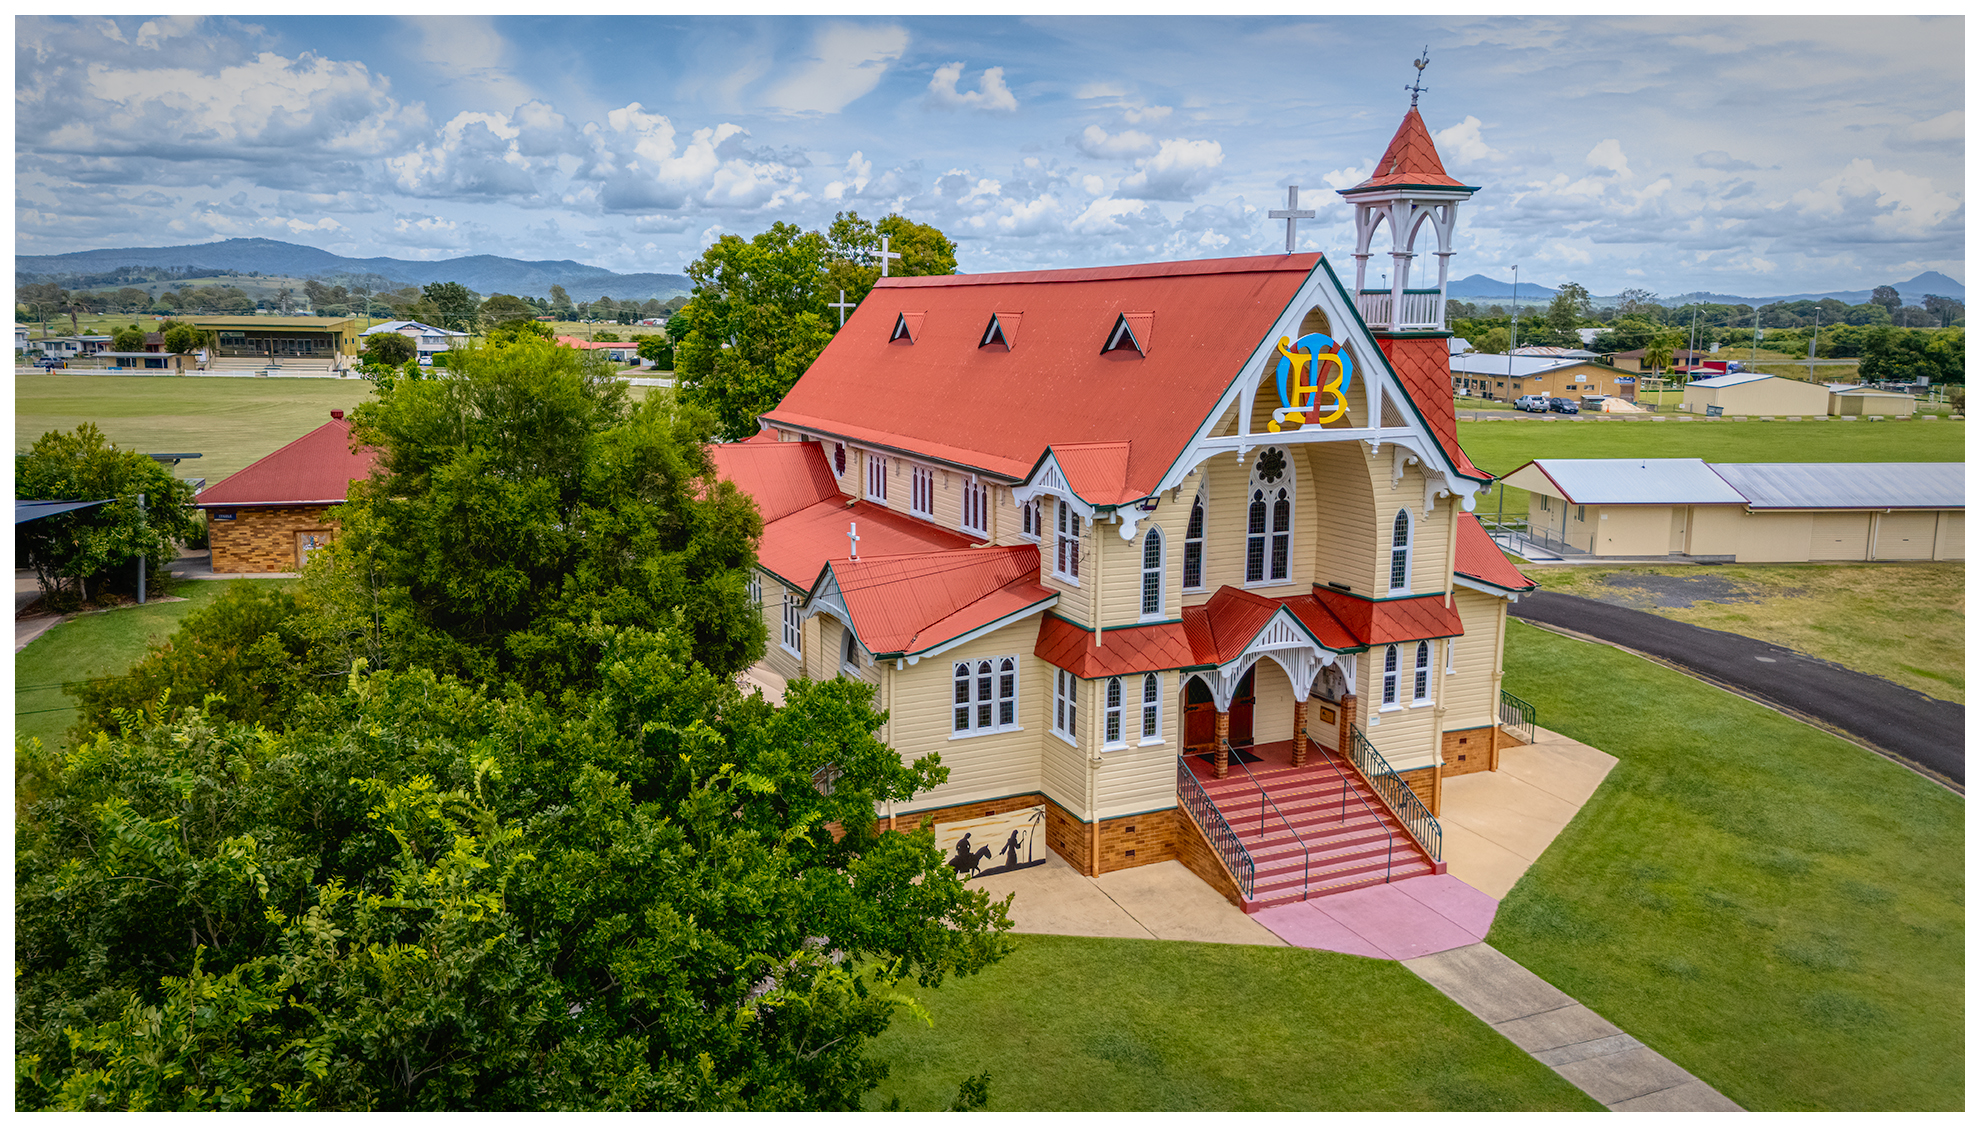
(842, 305)
(852, 534)
(1292, 214)
(1418, 87)
(886, 254)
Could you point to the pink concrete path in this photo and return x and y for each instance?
(1404, 920)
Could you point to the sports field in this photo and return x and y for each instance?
(229, 422)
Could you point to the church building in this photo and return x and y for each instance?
(1167, 561)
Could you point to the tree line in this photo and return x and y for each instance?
(475, 815)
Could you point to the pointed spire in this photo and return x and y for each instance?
(1411, 159)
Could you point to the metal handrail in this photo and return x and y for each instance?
(1264, 797)
(1516, 715)
(1391, 789)
(1231, 851)
(1389, 864)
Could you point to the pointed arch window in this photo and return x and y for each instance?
(975, 506)
(1151, 708)
(985, 696)
(1193, 548)
(849, 652)
(839, 459)
(1066, 557)
(1389, 675)
(1421, 693)
(1152, 574)
(1399, 552)
(1269, 519)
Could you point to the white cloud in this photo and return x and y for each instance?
(1722, 161)
(1608, 155)
(1464, 143)
(1097, 142)
(990, 95)
(847, 62)
(1178, 171)
(1947, 127)
(1884, 203)
(859, 173)
(470, 55)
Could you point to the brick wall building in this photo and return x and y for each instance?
(271, 515)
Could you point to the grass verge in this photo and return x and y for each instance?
(94, 645)
(1902, 622)
(1074, 1024)
(231, 422)
(1776, 910)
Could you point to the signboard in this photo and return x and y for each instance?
(1322, 714)
(997, 843)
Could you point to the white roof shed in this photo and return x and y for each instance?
(1627, 481)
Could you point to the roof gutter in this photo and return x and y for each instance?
(903, 658)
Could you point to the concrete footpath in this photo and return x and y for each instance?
(1615, 1069)
(1902, 722)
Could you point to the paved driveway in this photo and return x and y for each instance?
(1902, 722)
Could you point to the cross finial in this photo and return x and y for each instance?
(1292, 214)
(885, 254)
(1418, 87)
(842, 305)
(852, 534)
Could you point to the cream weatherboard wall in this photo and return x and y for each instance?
(1134, 776)
(1471, 692)
(1407, 733)
(921, 700)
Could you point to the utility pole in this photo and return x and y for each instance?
(1512, 342)
(141, 560)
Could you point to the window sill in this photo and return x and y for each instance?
(1122, 746)
(1390, 708)
(1069, 741)
(975, 732)
(1074, 580)
(1151, 743)
(1250, 583)
(799, 654)
(1424, 703)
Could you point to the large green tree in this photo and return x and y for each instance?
(524, 498)
(96, 549)
(457, 306)
(759, 314)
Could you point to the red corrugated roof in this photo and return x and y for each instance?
(1116, 652)
(1379, 622)
(1220, 629)
(907, 604)
(1097, 471)
(1481, 559)
(783, 477)
(316, 469)
(795, 547)
(943, 397)
(580, 342)
(1411, 158)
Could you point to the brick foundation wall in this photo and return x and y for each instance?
(1138, 839)
(1427, 782)
(1193, 850)
(263, 539)
(1507, 739)
(1467, 750)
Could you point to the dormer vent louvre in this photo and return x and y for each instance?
(1131, 331)
(907, 326)
(993, 336)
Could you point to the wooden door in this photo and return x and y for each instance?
(1241, 709)
(1199, 718)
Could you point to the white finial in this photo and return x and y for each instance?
(1292, 214)
(885, 254)
(853, 535)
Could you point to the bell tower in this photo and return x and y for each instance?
(1409, 194)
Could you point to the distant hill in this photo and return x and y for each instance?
(484, 273)
(1479, 287)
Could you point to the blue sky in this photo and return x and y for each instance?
(1676, 153)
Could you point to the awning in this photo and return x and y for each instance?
(25, 511)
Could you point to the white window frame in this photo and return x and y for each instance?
(1065, 706)
(1113, 732)
(849, 648)
(1199, 518)
(1066, 543)
(792, 638)
(921, 492)
(1402, 528)
(1159, 573)
(876, 477)
(1391, 680)
(1450, 656)
(756, 590)
(1271, 535)
(1151, 709)
(985, 687)
(975, 506)
(1031, 519)
(1421, 683)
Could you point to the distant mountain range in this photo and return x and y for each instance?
(484, 273)
(1478, 287)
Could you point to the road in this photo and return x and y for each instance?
(1902, 722)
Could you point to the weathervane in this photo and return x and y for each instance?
(1418, 88)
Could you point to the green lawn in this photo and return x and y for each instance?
(1069, 1024)
(232, 422)
(94, 645)
(1776, 910)
(1905, 622)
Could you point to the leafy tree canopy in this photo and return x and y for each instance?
(456, 306)
(502, 308)
(82, 550)
(128, 340)
(759, 314)
(389, 350)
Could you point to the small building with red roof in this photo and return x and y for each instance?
(1128, 545)
(273, 514)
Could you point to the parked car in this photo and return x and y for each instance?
(1531, 403)
(50, 363)
(1564, 406)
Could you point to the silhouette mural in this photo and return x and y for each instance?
(995, 843)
